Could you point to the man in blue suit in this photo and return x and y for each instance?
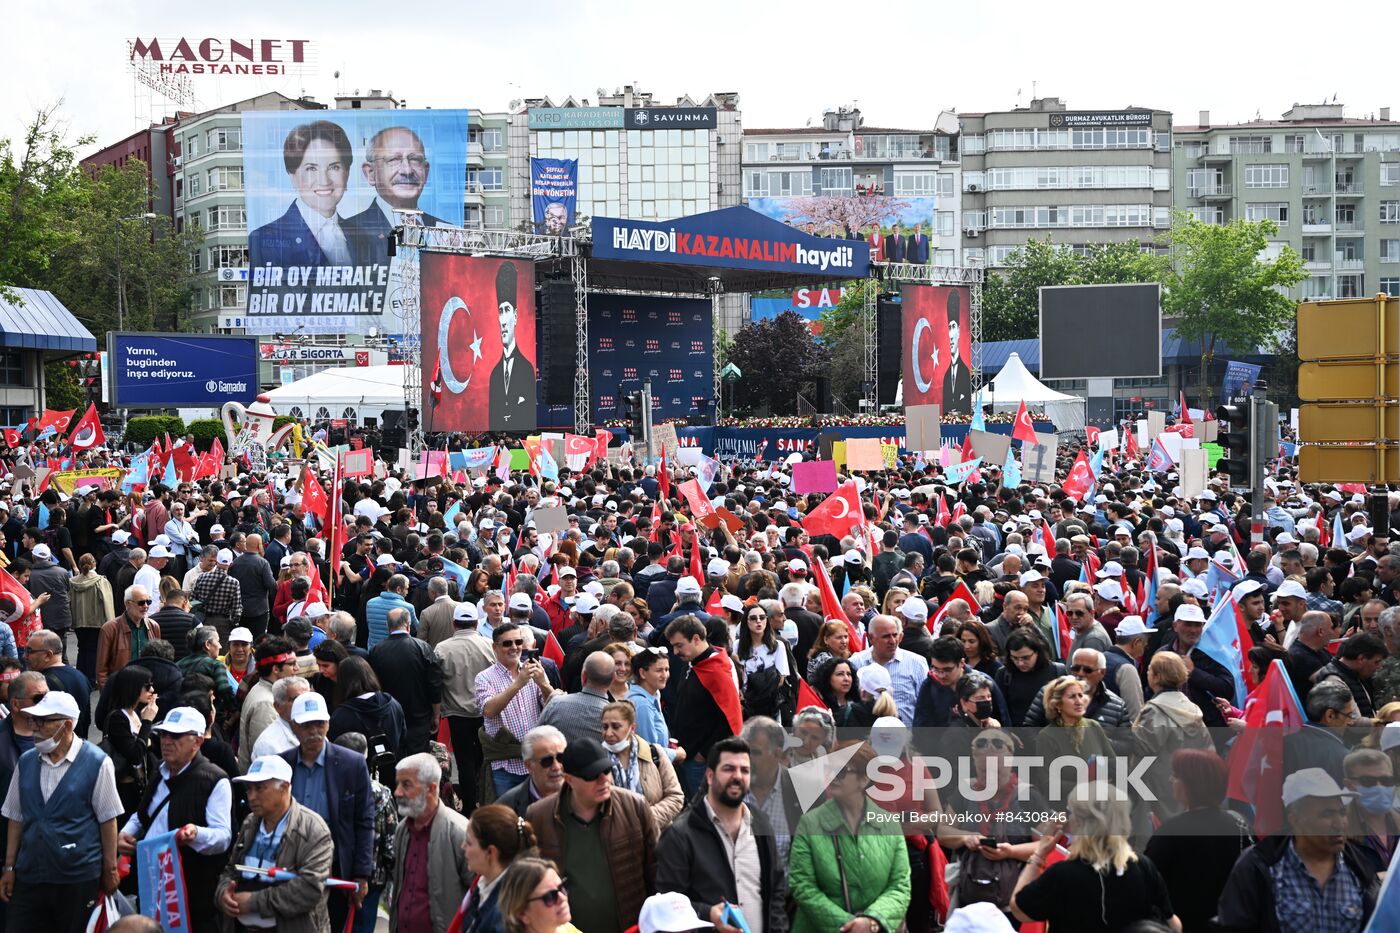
(318, 158)
(396, 166)
(334, 782)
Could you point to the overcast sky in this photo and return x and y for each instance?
(901, 62)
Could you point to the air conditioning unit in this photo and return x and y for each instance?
(972, 232)
(176, 161)
(973, 187)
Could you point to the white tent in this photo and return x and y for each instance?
(364, 390)
(1015, 384)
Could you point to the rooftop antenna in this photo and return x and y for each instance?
(1033, 90)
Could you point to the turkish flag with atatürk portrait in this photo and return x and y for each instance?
(478, 344)
(936, 352)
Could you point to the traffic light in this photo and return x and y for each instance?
(1235, 438)
(634, 403)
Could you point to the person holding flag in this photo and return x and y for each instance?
(1207, 678)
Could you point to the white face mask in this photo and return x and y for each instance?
(616, 747)
(45, 746)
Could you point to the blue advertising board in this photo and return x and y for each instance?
(182, 370)
(731, 238)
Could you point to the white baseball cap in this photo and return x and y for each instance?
(215, 530)
(55, 703)
(1290, 588)
(914, 609)
(981, 917)
(1198, 553)
(384, 560)
(731, 602)
(1311, 782)
(465, 612)
(310, 707)
(584, 604)
(688, 586)
(1245, 588)
(1195, 587)
(1130, 627)
(520, 602)
(241, 634)
(670, 912)
(1390, 736)
(42, 552)
(267, 768)
(1187, 612)
(155, 553)
(1109, 590)
(797, 565)
(717, 567)
(567, 571)
(873, 678)
(182, 720)
(120, 537)
(1110, 569)
(1031, 576)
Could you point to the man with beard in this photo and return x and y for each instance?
(744, 871)
(430, 866)
(333, 783)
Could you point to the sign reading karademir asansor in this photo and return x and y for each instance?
(182, 370)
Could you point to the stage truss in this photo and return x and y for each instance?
(412, 240)
(898, 273)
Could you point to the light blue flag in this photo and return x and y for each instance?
(170, 479)
(549, 469)
(706, 471)
(959, 472)
(1220, 640)
(477, 459)
(138, 475)
(43, 516)
(979, 420)
(450, 516)
(1096, 463)
(456, 573)
(1011, 470)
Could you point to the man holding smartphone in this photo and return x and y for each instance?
(511, 695)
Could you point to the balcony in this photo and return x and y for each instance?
(1349, 189)
(1350, 265)
(1314, 265)
(475, 154)
(1350, 227)
(1320, 228)
(1211, 191)
(1316, 191)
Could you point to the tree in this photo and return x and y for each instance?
(41, 197)
(61, 388)
(833, 216)
(1011, 296)
(843, 336)
(775, 356)
(1223, 292)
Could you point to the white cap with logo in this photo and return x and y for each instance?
(267, 768)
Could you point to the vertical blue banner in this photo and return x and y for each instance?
(162, 882)
(553, 194)
(1239, 379)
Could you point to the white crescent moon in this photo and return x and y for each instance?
(449, 379)
(84, 437)
(923, 384)
(845, 507)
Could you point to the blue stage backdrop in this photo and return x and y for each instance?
(634, 338)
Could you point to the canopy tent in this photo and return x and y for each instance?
(369, 390)
(1015, 384)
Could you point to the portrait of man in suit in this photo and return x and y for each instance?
(894, 245)
(555, 220)
(318, 158)
(957, 380)
(513, 379)
(396, 167)
(918, 246)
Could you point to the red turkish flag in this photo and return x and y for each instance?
(1185, 412)
(87, 433)
(186, 463)
(1091, 433)
(17, 609)
(58, 420)
(1184, 428)
(13, 438)
(1080, 479)
(663, 477)
(838, 514)
(313, 498)
(1024, 430)
(960, 591)
(601, 439)
(552, 650)
(807, 697)
(831, 605)
(700, 504)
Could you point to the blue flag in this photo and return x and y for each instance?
(170, 479)
(161, 882)
(959, 472)
(138, 475)
(1011, 471)
(456, 573)
(1220, 640)
(549, 469)
(706, 471)
(477, 459)
(979, 420)
(1096, 464)
(43, 516)
(450, 516)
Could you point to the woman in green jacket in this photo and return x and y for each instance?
(849, 869)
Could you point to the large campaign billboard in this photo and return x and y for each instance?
(322, 191)
(731, 238)
(634, 338)
(181, 370)
(896, 229)
(937, 347)
(1101, 331)
(553, 194)
(479, 359)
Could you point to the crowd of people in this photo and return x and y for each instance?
(408, 698)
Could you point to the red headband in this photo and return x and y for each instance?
(277, 659)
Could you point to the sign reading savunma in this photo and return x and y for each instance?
(670, 118)
(1113, 118)
(733, 237)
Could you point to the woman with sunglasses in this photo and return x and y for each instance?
(534, 898)
(833, 641)
(762, 660)
(998, 841)
(495, 838)
(849, 868)
(127, 737)
(1071, 733)
(651, 669)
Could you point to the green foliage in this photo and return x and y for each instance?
(1011, 296)
(61, 389)
(775, 356)
(280, 420)
(72, 234)
(205, 430)
(843, 336)
(1221, 291)
(146, 428)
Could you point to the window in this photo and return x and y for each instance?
(1193, 148)
(1390, 212)
(228, 257)
(836, 180)
(943, 257)
(1266, 176)
(1390, 174)
(1251, 145)
(226, 178)
(1390, 285)
(492, 140)
(997, 255)
(227, 217)
(914, 184)
(1207, 215)
(755, 152)
(233, 296)
(1277, 211)
(974, 145)
(1382, 142)
(1078, 215)
(472, 217)
(1293, 143)
(974, 254)
(225, 139)
(975, 220)
(11, 367)
(191, 146)
(486, 179)
(1162, 141)
(945, 184)
(1390, 250)
(196, 185)
(1350, 286)
(944, 223)
(495, 216)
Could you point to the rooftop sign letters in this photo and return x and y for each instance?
(209, 56)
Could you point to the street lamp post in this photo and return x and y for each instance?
(121, 281)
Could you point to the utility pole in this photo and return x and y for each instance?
(646, 417)
(1263, 444)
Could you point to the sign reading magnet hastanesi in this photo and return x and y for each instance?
(182, 370)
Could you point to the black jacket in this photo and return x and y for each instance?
(1346, 675)
(695, 718)
(691, 858)
(376, 714)
(409, 671)
(350, 801)
(1247, 903)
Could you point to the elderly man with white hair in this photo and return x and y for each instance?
(430, 865)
